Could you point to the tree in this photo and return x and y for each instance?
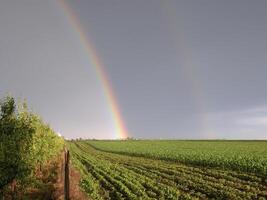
(16, 133)
(26, 145)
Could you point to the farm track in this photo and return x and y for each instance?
(115, 176)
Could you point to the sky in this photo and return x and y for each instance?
(162, 69)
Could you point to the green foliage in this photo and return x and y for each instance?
(115, 176)
(247, 156)
(25, 143)
(16, 134)
(8, 107)
(46, 143)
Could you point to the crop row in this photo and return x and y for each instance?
(115, 176)
(246, 156)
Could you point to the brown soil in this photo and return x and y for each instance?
(53, 182)
(75, 190)
(52, 188)
(58, 193)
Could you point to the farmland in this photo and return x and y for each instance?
(171, 169)
(248, 156)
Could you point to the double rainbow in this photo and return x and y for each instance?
(120, 129)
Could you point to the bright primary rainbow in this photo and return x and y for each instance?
(120, 129)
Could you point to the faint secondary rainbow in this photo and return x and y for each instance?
(189, 68)
(120, 129)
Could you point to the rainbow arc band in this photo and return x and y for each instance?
(120, 129)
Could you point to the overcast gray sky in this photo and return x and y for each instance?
(179, 69)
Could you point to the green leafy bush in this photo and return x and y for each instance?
(26, 142)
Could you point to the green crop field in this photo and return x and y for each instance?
(172, 169)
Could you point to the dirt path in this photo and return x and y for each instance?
(72, 177)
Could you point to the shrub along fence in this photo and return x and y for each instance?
(26, 143)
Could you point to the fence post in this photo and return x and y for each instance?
(66, 181)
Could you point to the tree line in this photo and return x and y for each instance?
(26, 144)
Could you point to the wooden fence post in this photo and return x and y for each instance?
(67, 182)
